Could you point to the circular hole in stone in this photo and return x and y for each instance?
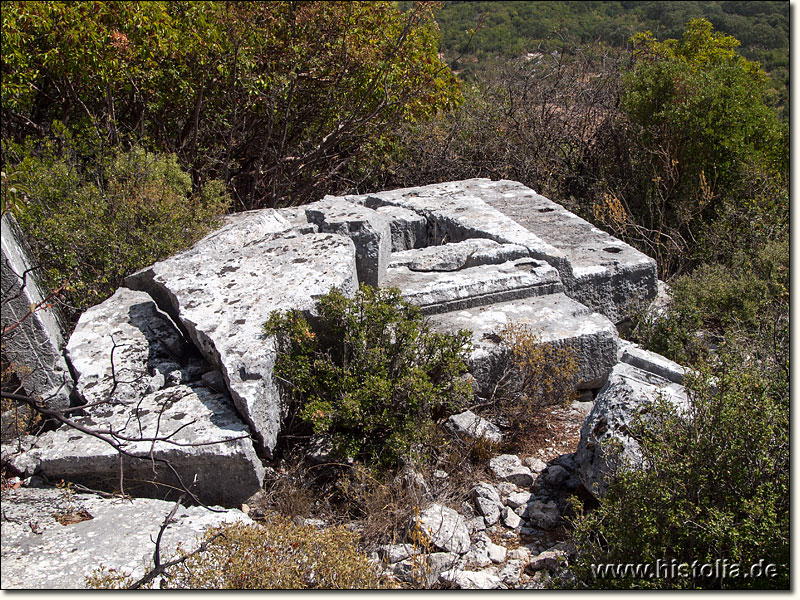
(612, 250)
(546, 209)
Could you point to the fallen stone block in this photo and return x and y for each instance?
(606, 443)
(222, 294)
(472, 580)
(437, 292)
(508, 467)
(653, 363)
(47, 545)
(33, 329)
(368, 229)
(556, 320)
(458, 255)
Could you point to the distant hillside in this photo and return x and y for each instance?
(509, 29)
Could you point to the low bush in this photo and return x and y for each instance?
(716, 486)
(275, 554)
(93, 216)
(369, 373)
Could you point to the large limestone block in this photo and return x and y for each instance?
(456, 211)
(608, 275)
(627, 393)
(34, 340)
(555, 319)
(223, 293)
(196, 430)
(436, 292)
(369, 230)
(443, 528)
(38, 552)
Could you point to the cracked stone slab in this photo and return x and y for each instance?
(38, 552)
(409, 229)
(556, 319)
(628, 391)
(437, 292)
(221, 294)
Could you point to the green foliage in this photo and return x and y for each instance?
(274, 98)
(93, 222)
(716, 486)
(275, 554)
(369, 372)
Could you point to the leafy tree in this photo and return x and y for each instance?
(275, 98)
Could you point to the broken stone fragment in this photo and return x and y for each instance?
(470, 426)
(118, 534)
(508, 467)
(442, 528)
(409, 229)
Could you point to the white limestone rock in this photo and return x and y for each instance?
(38, 552)
(472, 580)
(222, 292)
(443, 528)
(508, 467)
(369, 230)
(557, 321)
(627, 393)
(470, 426)
(409, 229)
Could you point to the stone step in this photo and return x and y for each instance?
(556, 320)
(439, 292)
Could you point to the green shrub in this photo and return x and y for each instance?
(717, 486)
(369, 372)
(274, 555)
(93, 216)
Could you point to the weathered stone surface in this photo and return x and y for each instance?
(628, 391)
(472, 580)
(33, 341)
(223, 293)
(653, 363)
(549, 559)
(543, 515)
(152, 390)
(536, 465)
(517, 499)
(508, 467)
(437, 292)
(409, 229)
(394, 553)
(129, 330)
(456, 211)
(425, 569)
(199, 433)
(443, 528)
(487, 501)
(458, 255)
(368, 229)
(557, 320)
(38, 552)
(607, 275)
(469, 425)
